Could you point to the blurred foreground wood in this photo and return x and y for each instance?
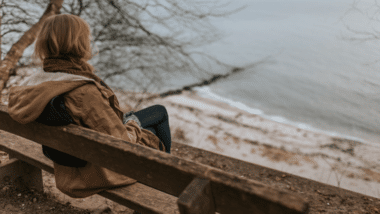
(167, 184)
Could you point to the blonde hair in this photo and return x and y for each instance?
(66, 36)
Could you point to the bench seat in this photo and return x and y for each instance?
(136, 196)
(170, 181)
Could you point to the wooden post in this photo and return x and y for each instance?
(21, 174)
(197, 198)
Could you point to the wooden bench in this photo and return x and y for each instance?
(166, 184)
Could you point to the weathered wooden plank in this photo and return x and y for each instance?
(144, 199)
(21, 174)
(137, 196)
(197, 198)
(157, 169)
(25, 150)
(230, 189)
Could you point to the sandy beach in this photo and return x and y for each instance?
(229, 131)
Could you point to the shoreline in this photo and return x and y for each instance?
(209, 96)
(218, 127)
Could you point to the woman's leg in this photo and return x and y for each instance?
(156, 118)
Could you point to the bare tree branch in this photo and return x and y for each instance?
(371, 14)
(146, 40)
(17, 49)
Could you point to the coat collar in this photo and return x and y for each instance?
(27, 101)
(42, 77)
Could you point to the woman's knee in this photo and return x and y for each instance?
(161, 109)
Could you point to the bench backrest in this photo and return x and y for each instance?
(226, 192)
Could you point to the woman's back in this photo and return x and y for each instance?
(64, 48)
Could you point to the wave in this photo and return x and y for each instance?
(206, 92)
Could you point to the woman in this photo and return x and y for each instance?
(68, 91)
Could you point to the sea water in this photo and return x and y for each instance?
(304, 64)
(316, 73)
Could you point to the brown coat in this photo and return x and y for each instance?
(91, 105)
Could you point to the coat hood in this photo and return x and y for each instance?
(28, 100)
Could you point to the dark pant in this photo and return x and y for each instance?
(155, 119)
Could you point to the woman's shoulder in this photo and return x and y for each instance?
(84, 99)
(87, 91)
(83, 90)
(93, 91)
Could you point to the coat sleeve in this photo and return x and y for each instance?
(90, 109)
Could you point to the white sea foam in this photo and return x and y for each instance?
(207, 93)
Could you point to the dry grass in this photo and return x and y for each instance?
(371, 175)
(335, 170)
(214, 141)
(180, 135)
(277, 155)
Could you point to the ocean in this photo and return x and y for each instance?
(314, 71)
(317, 75)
